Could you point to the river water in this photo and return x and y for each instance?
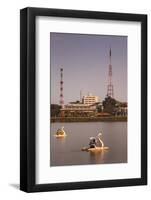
(67, 151)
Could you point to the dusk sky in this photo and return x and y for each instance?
(85, 59)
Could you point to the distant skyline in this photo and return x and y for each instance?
(85, 60)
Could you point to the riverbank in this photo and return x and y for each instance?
(89, 119)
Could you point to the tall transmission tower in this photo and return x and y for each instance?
(110, 89)
(61, 88)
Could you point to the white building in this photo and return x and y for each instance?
(79, 110)
(90, 99)
(79, 107)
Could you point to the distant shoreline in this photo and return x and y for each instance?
(88, 119)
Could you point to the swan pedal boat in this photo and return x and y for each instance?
(95, 149)
(60, 136)
(60, 133)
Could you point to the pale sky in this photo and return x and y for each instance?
(85, 59)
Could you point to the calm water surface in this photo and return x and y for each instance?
(67, 151)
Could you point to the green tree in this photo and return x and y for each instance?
(109, 105)
(55, 110)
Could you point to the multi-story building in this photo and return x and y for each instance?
(90, 99)
(79, 110)
(121, 109)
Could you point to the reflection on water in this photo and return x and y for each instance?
(97, 157)
(67, 151)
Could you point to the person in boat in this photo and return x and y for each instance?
(93, 142)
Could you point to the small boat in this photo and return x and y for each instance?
(95, 149)
(93, 145)
(60, 133)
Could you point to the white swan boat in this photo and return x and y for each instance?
(60, 133)
(96, 149)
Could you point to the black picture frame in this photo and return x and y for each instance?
(28, 99)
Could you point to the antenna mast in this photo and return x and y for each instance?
(110, 91)
(61, 88)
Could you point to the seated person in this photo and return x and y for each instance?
(93, 142)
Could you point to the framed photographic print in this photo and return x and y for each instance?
(83, 99)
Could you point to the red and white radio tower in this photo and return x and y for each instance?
(110, 90)
(61, 88)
